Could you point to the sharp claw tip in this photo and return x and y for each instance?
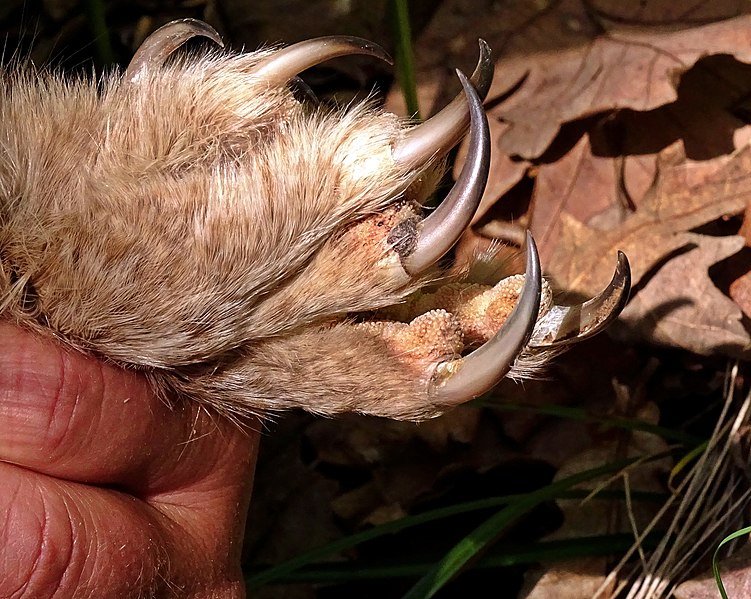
(623, 260)
(487, 365)
(376, 50)
(623, 271)
(623, 268)
(387, 58)
(530, 244)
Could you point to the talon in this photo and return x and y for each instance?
(164, 41)
(461, 380)
(287, 63)
(438, 233)
(482, 76)
(441, 132)
(564, 325)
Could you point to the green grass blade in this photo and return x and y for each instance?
(716, 563)
(484, 535)
(405, 61)
(95, 16)
(683, 463)
(286, 570)
(547, 551)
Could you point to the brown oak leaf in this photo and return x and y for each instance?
(575, 59)
(677, 203)
(625, 124)
(616, 158)
(681, 306)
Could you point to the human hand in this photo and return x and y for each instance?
(105, 491)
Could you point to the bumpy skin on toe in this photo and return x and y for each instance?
(196, 221)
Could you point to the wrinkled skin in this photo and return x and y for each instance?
(107, 492)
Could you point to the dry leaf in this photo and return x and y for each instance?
(585, 257)
(405, 462)
(290, 508)
(680, 306)
(615, 158)
(630, 126)
(588, 57)
(700, 317)
(576, 59)
(740, 289)
(575, 579)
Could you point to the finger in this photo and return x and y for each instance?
(75, 417)
(64, 539)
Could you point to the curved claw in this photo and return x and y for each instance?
(438, 233)
(288, 62)
(164, 41)
(565, 325)
(441, 132)
(487, 365)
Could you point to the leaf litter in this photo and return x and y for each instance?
(615, 125)
(621, 126)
